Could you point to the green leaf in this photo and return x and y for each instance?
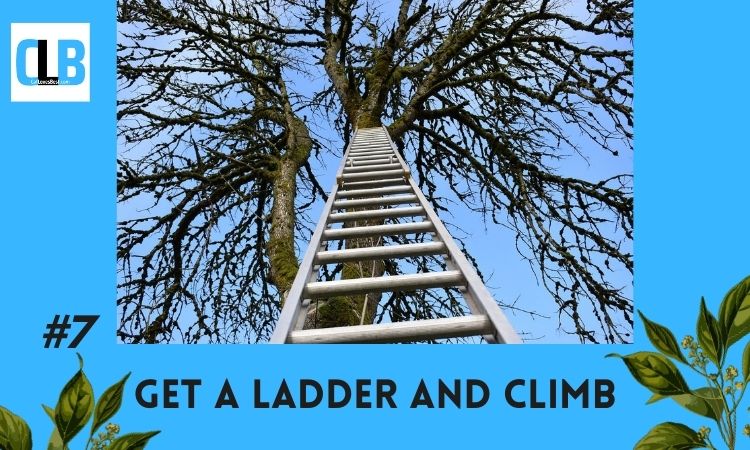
(706, 401)
(55, 441)
(74, 407)
(709, 335)
(50, 412)
(655, 372)
(662, 339)
(734, 312)
(746, 362)
(655, 398)
(133, 441)
(670, 436)
(109, 403)
(14, 432)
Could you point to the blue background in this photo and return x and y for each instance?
(57, 191)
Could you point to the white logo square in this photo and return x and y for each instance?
(50, 62)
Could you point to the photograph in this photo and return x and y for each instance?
(365, 171)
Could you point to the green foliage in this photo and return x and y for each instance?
(108, 404)
(663, 339)
(14, 432)
(709, 337)
(705, 401)
(746, 362)
(655, 372)
(705, 355)
(75, 407)
(133, 441)
(105, 439)
(55, 441)
(670, 435)
(734, 312)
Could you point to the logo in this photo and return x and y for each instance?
(49, 62)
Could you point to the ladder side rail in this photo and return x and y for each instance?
(474, 307)
(301, 316)
(306, 302)
(288, 319)
(481, 296)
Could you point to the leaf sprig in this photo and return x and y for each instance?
(704, 354)
(75, 407)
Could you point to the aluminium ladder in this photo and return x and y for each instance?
(373, 174)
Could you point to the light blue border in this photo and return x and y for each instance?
(57, 246)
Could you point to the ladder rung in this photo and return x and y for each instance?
(369, 142)
(371, 155)
(372, 192)
(417, 330)
(370, 158)
(378, 230)
(356, 151)
(374, 184)
(370, 162)
(376, 214)
(428, 280)
(370, 148)
(394, 200)
(371, 168)
(374, 175)
(380, 252)
(360, 153)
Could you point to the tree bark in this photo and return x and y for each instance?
(352, 309)
(281, 251)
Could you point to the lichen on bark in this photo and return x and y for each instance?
(368, 120)
(281, 250)
(349, 310)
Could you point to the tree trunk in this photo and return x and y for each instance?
(281, 250)
(367, 119)
(352, 309)
(362, 112)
